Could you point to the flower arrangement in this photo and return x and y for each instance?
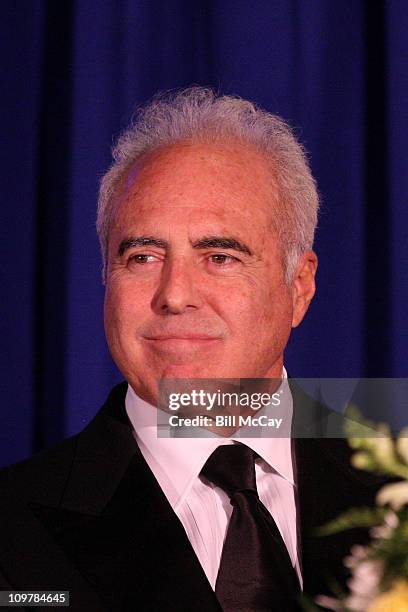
(379, 571)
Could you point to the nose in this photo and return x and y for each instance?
(178, 289)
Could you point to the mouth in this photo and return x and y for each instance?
(181, 343)
(191, 337)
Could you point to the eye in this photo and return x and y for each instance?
(221, 259)
(141, 258)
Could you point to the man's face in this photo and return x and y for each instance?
(195, 281)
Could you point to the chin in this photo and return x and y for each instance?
(186, 370)
(190, 371)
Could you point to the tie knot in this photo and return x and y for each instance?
(232, 468)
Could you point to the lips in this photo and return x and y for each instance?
(192, 337)
(186, 345)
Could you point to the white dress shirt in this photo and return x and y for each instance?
(204, 509)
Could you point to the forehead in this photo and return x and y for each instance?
(195, 182)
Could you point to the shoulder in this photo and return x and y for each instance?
(42, 475)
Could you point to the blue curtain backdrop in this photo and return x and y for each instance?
(73, 73)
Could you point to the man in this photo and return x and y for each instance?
(206, 221)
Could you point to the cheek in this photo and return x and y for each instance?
(122, 309)
(259, 311)
(241, 313)
(113, 306)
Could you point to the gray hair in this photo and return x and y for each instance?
(198, 114)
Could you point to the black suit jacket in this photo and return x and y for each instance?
(88, 516)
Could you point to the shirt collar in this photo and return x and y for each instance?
(180, 460)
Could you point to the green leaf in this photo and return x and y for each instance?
(354, 517)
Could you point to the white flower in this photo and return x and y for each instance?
(362, 461)
(357, 554)
(395, 494)
(330, 603)
(363, 584)
(383, 448)
(384, 531)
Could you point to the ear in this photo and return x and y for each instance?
(303, 286)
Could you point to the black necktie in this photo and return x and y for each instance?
(256, 572)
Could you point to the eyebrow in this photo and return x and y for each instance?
(221, 242)
(218, 242)
(132, 242)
